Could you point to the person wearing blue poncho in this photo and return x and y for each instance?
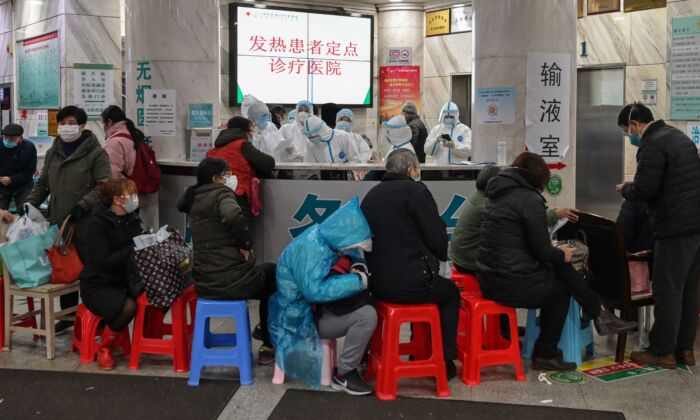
(324, 267)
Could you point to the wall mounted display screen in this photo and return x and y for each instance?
(282, 56)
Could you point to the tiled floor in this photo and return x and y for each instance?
(663, 395)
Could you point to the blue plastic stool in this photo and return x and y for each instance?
(573, 336)
(221, 349)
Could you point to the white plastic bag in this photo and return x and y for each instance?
(31, 224)
(150, 239)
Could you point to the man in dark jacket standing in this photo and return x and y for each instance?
(420, 132)
(17, 168)
(668, 180)
(410, 240)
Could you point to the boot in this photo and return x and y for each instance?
(608, 324)
(105, 360)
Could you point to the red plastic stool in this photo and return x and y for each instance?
(86, 332)
(29, 322)
(465, 282)
(386, 349)
(150, 328)
(476, 349)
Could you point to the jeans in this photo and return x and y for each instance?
(675, 286)
(357, 327)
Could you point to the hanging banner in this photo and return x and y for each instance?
(93, 88)
(437, 22)
(548, 97)
(159, 105)
(397, 84)
(495, 105)
(38, 72)
(685, 68)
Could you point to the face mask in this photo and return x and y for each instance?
(291, 121)
(343, 125)
(133, 203)
(634, 139)
(302, 116)
(8, 143)
(69, 133)
(450, 121)
(315, 139)
(231, 182)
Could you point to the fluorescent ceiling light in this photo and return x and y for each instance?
(395, 1)
(260, 6)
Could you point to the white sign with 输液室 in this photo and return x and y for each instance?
(159, 112)
(548, 100)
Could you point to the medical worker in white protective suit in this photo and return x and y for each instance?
(343, 121)
(450, 141)
(266, 136)
(290, 117)
(327, 145)
(294, 144)
(398, 134)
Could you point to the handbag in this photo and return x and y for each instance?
(65, 261)
(255, 200)
(26, 259)
(164, 269)
(580, 255)
(640, 278)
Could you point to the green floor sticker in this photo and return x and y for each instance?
(630, 373)
(566, 377)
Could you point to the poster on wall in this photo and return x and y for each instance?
(39, 72)
(397, 84)
(648, 91)
(36, 128)
(399, 56)
(547, 103)
(159, 112)
(286, 55)
(603, 6)
(200, 115)
(634, 5)
(685, 68)
(200, 144)
(495, 105)
(461, 19)
(437, 22)
(93, 88)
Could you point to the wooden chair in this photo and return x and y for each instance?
(609, 263)
(47, 293)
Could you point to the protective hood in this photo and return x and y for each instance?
(451, 109)
(347, 228)
(246, 103)
(397, 131)
(314, 126)
(305, 104)
(291, 115)
(345, 113)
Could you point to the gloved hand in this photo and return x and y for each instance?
(77, 213)
(445, 137)
(449, 144)
(363, 277)
(290, 149)
(298, 157)
(359, 266)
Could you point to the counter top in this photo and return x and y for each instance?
(467, 166)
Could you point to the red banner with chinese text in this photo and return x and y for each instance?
(397, 84)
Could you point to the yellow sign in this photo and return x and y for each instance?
(581, 7)
(437, 22)
(603, 6)
(632, 5)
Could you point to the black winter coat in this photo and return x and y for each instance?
(419, 134)
(110, 247)
(636, 227)
(515, 258)
(668, 180)
(409, 238)
(19, 163)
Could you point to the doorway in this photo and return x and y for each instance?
(461, 94)
(599, 141)
(5, 105)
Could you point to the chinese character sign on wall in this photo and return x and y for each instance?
(685, 68)
(38, 72)
(159, 112)
(397, 84)
(93, 88)
(143, 83)
(283, 56)
(548, 98)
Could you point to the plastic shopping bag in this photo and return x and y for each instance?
(31, 224)
(26, 259)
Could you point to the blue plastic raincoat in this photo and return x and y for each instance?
(303, 279)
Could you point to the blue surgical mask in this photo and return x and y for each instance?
(343, 125)
(8, 144)
(262, 124)
(634, 139)
(450, 121)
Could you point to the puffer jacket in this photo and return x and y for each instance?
(70, 181)
(515, 258)
(465, 239)
(303, 279)
(121, 151)
(668, 180)
(219, 229)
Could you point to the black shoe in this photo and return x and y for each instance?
(61, 326)
(266, 355)
(450, 369)
(257, 333)
(608, 324)
(554, 364)
(351, 382)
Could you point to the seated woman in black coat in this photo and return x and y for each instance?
(517, 265)
(104, 283)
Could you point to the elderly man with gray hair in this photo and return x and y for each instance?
(410, 240)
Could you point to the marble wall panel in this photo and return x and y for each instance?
(436, 92)
(401, 19)
(445, 55)
(28, 12)
(224, 50)
(648, 37)
(633, 80)
(92, 39)
(105, 8)
(607, 37)
(40, 28)
(5, 17)
(6, 61)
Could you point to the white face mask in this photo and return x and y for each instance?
(231, 182)
(315, 139)
(133, 203)
(69, 133)
(302, 116)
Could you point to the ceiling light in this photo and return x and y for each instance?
(395, 1)
(260, 6)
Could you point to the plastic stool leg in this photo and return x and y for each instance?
(244, 346)
(515, 347)
(475, 346)
(387, 383)
(532, 332)
(198, 345)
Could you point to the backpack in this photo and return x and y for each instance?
(146, 174)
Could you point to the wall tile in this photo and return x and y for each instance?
(607, 37)
(648, 37)
(104, 8)
(436, 92)
(445, 55)
(39, 28)
(28, 12)
(633, 80)
(92, 39)
(6, 61)
(401, 19)
(5, 17)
